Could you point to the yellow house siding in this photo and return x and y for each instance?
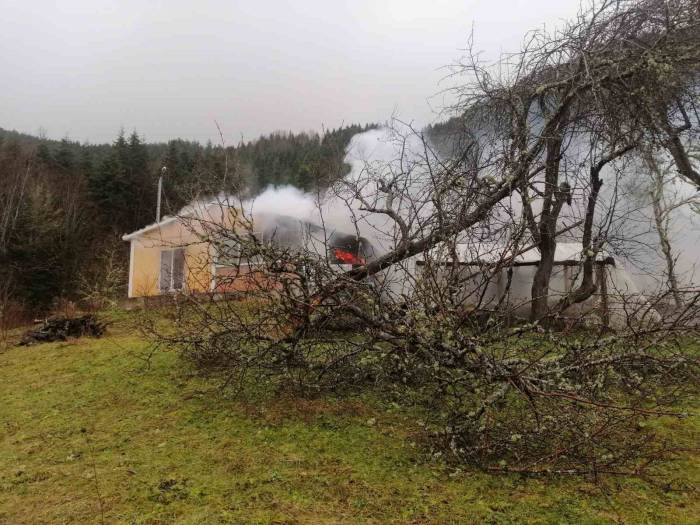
(146, 270)
(145, 259)
(144, 264)
(198, 264)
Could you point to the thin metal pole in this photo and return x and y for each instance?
(160, 192)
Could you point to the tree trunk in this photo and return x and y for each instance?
(540, 283)
(590, 248)
(555, 196)
(662, 226)
(665, 243)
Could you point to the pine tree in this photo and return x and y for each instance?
(179, 183)
(64, 158)
(110, 189)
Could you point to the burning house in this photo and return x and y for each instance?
(187, 253)
(194, 253)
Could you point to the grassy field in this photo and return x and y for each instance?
(90, 434)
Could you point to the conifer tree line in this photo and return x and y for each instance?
(64, 205)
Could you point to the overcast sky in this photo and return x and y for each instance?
(172, 68)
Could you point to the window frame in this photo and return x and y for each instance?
(171, 253)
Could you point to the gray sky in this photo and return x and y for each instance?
(171, 68)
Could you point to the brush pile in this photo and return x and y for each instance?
(61, 328)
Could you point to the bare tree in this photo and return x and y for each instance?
(427, 310)
(664, 201)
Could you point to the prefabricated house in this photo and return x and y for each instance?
(176, 254)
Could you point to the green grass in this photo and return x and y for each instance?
(87, 417)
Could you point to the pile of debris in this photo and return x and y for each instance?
(61, 328)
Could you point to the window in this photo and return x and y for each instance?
(346, 249)
(233, 252)
(172, 270)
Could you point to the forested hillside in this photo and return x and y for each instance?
(64, 205)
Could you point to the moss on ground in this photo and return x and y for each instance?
(88, 431)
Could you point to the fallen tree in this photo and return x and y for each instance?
(505, 395)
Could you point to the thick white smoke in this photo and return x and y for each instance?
(372, 155)
(383, 154)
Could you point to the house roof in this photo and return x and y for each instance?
(193, 210)
(151, 227)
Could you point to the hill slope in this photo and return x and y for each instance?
(64, 205)
(92, 434)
